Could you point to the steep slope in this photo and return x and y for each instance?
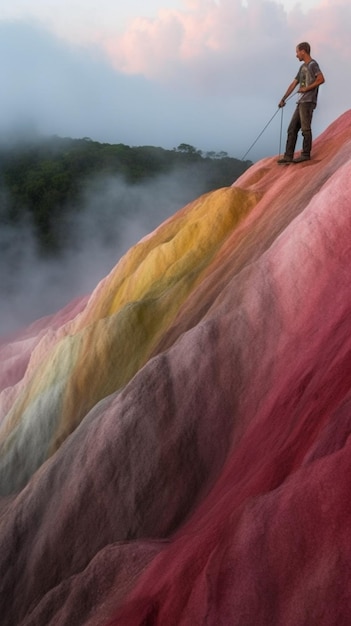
(174, 449)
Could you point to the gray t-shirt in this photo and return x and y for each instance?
(305, 76)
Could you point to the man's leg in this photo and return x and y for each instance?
(293, 130)
(306, 113)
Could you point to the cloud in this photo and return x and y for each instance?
(61, 89)
(210, 75)
(227, 47)
(210, 44)
(241, 53)
(52, 87)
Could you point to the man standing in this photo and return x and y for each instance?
(309, 77)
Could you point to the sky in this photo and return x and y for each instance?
(209, 73)
(163, 72)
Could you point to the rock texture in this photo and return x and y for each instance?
(174, 449)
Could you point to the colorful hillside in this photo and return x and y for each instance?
(174, 448)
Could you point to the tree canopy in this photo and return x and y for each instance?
(44, 180)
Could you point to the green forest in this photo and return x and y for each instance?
(41, 182)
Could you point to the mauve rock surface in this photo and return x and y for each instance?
(174, 450)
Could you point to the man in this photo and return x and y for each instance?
(309, 77)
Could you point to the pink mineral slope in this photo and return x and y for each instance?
(175, 451)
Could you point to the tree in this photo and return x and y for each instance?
(188, 149)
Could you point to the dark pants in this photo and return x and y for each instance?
(301, 119)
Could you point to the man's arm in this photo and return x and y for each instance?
(318, 81)
(289, 90)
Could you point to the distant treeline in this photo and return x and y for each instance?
(42, 180)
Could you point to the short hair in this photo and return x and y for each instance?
(304, 46)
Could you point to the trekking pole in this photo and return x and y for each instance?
(281, 132)
(261, 133)
(268, 123)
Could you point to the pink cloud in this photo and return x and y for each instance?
(217, 41)
(205, 40)
(240, 57)
(331, 28)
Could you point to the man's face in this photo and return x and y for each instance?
(300, 54)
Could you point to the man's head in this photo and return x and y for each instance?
(303, 51)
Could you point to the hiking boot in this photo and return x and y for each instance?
(302, 158)
(285, 159)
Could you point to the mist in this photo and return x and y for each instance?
(110, 217)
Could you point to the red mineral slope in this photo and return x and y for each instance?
(210, 487)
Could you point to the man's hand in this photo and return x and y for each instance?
(282, 103)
